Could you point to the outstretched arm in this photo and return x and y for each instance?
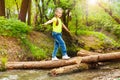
(48, 22)
(65, 28)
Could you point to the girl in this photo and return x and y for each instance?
(57, 35)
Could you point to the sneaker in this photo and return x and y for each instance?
(65, 57)
(55, 59)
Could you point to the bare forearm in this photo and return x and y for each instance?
(65, 28)
(48, 22)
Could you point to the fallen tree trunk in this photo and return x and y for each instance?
(93, 59)
(60, 63)
(101, 57)
(41, 64)
(67, 69)
(83, 53)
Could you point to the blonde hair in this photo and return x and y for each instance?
(58, 9)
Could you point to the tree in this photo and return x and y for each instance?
(17, 6)
(23, 10)
(86, 14)
(29, 13)
(109, 12)
(2, 7)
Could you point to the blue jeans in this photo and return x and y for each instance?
(58, 42)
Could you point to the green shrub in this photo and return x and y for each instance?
(103, 40)
(12, 27)
(3, 59)
(37, 52)
(116, 31)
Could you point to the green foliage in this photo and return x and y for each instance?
(12, 7)
(3, 59)
(65, 4)
(11, 27)
(11, 4)
(3, 62)
(37, 52)
(100, 41)
(116, 31)
(43, 28)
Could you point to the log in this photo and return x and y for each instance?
(41, 64)
(101, 57)
(84, 63)
(60, 63)
(67, 69)
(83, 53)
(73, 68)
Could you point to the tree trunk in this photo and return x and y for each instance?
(76, 24)
(41, 64)
(86, 14)
(92, 59)
(23, 10)
(64, 18)
(110, 13)
(43, 11)
(59, 63)
(40, 10)
(36, 14)
(8, 13)
(2, 7)
(83, 53)
(29, 13)
(67, 69)
(17, 6)
(101, 57)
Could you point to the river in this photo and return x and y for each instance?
(111, 71)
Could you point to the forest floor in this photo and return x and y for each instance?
(11, 46)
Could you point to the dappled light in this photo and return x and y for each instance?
(92, 2)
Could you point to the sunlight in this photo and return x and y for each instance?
(92, 2)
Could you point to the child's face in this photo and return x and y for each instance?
(58, 13)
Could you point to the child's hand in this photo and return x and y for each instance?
(68, 31)
(43, 24)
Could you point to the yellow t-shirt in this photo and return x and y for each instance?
(57, 28)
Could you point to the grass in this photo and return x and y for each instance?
(102, 42)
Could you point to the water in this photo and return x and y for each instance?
(109, 72)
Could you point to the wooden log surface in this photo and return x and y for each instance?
(84, 65)
(41, 64)
(60, 63)
(83, 53)
(69, 68)
(101, 57)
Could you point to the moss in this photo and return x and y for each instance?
(3, 62)
(96, 40)
(3, 59)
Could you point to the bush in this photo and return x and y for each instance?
(116, 31)
(37, 53)
(3, 59)
(12, 27)
(101, 41)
